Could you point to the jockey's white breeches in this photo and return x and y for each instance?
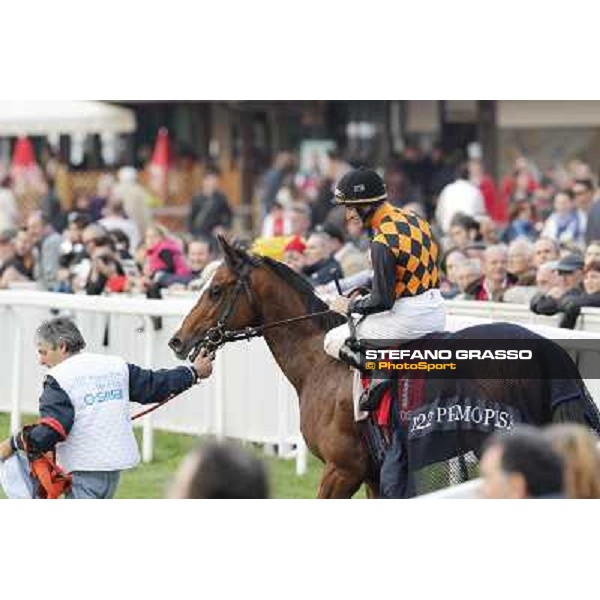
(409, 319)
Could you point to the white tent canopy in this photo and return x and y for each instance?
(63, 117)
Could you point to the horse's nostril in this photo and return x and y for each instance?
(175, 343)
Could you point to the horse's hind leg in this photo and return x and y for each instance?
(372, 490)
(338, 483)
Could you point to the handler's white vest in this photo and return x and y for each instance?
(101, 438)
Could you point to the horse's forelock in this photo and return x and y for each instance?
(208, 277)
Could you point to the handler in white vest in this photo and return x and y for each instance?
(84, 408)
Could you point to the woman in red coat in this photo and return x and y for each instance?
(493, 206)
(164, 264)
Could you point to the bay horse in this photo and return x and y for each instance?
(248, 296)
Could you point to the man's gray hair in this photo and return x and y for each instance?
(555, 243)
(521, 243)
(495, 248)
(61, 331)
(471, 265)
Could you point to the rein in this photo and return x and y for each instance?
(152, 408)
(252, 332)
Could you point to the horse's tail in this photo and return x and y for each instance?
(570, 399)
(573, 403)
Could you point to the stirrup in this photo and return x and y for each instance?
(353, 344)
(372, 396)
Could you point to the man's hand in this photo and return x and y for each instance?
(5, 450)
(340, 304)
(203, 365)
(326, 292)
(219, 230)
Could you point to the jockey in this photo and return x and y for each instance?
(405, 302)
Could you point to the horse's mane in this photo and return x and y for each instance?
(311, 301)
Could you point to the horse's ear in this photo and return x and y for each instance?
(222, 242)
(232, 256)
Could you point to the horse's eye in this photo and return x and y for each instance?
(214, 292)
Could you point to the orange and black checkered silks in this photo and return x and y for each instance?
(410, 239)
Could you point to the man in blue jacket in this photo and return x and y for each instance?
(84, 408)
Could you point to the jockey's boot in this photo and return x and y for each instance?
(350, 357)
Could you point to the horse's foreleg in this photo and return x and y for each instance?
(338, 483)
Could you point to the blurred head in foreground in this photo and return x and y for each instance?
(521, 463)
(220, 470)
(579, 450)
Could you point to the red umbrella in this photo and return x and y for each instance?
(23, 155)
(24, 168)
(159, 164)
(160, 156)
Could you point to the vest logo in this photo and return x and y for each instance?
(103, 396)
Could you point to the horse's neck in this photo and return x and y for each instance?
(297, 347)
(298, 356)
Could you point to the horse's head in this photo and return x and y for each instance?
(226, 302)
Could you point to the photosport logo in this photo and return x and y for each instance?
(435, 360)
(473, 358)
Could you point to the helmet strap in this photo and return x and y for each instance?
(366, 211)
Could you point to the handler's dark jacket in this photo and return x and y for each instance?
(145, 387)
(404, 256)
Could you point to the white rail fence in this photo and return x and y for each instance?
(469, 490)
(247, 398)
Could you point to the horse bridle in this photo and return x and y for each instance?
(216, 337)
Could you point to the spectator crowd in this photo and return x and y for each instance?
(106, 244)
(531, 238)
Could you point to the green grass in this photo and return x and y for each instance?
(152, 480)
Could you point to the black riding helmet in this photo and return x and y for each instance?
(362, 189)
